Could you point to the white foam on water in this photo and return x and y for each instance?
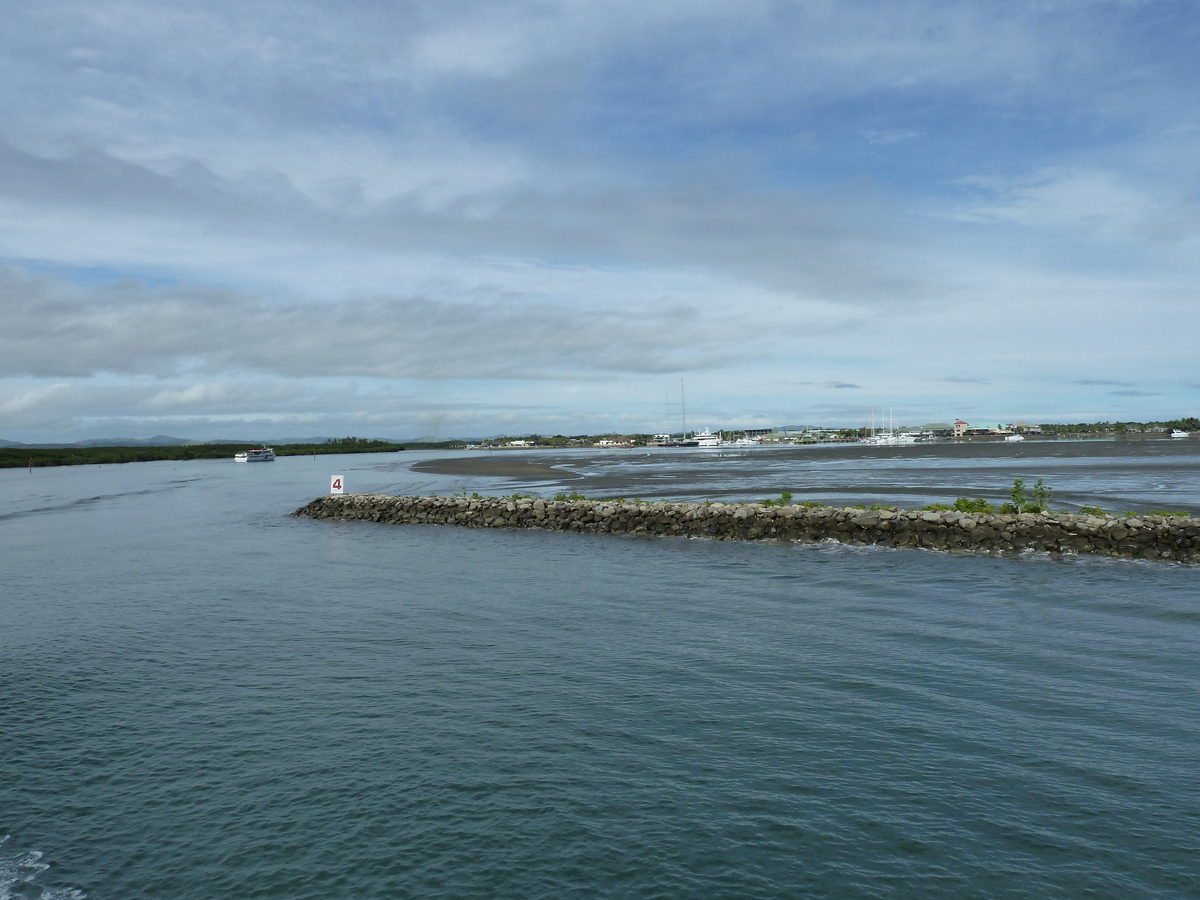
(18, 870)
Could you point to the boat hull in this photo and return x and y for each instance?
(264, 455)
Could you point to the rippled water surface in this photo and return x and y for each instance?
(200, 697)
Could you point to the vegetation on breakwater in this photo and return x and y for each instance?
(1036, 502)
(1142, 537)
(20, 457)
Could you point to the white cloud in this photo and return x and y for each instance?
(49, 329)
(518, 198)
(1101, 204)
(894, 136)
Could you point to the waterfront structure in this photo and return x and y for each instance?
(1152, 537)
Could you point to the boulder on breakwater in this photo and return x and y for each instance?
(1174, 538)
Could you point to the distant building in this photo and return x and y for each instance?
(1025, 428)
(960, 428)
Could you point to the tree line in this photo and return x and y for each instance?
(19, 457)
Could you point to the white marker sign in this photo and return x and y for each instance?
(336, 485)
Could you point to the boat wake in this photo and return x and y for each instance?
(18, 872)
(74, 504)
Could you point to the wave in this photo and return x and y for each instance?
(18, 872)
(72, 504)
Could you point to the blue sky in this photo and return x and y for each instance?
(266, 219)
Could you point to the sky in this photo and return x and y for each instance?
(257, 219)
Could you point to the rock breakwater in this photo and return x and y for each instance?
(1175, 538)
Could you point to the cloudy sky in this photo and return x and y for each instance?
(262, 219)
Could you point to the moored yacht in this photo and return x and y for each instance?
(890, 440)
(262, 454)
(1180, 433)
(707, 439)
(665, 440)
(889, 436)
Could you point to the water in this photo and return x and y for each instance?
(200, 697)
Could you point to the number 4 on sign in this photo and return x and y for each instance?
(336, 485)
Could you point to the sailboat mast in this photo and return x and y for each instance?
(683, 406)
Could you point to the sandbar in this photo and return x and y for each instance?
(494, 467)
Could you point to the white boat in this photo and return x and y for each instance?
(889, 436)
(1014, 437)
(262, 454)
(890, 440)
(1179, 433)
(707, 439)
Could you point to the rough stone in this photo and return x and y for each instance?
(1168, 539)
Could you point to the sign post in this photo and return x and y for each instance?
(337, 485)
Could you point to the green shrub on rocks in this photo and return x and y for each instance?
(1020, 502)
(1093, 511)
(1017, 495)
(962, 504)
(785, 499)
(1041, 495)
(978, 505)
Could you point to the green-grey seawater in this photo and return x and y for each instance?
(200, 697)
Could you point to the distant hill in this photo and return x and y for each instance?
(159, 440)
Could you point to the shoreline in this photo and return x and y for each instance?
(1159, 538)
(45, 457)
